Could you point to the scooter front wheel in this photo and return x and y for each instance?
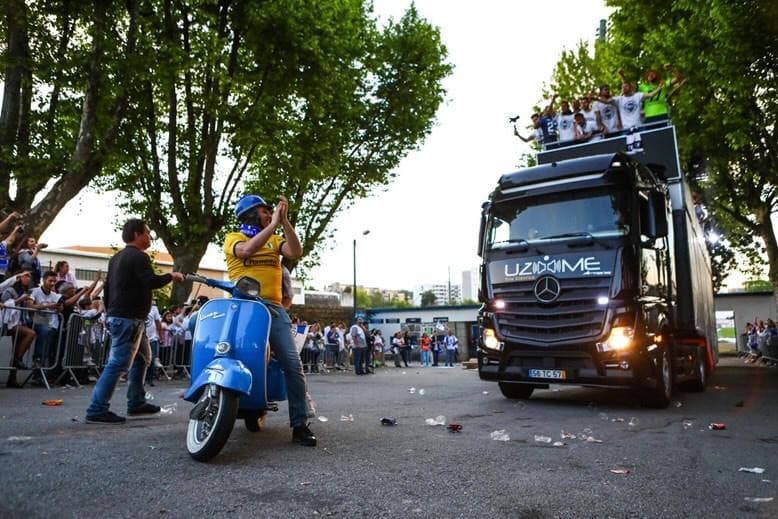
(209, 430)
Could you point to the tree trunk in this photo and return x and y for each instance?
(186, 260)
(768, 236)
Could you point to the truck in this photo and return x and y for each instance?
(594, 272)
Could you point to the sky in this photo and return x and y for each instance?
(426, 224)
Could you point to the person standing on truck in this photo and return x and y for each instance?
(608, 119)
(656, 108)
(548, 123)
(537, 134)
(565, 122)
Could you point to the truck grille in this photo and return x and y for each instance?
(574, 315)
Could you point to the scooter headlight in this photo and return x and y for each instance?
(248, 286)
(223, 347)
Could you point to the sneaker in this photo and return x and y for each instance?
(302, 435)
(107, 417)
(146, 408)
(157, 363)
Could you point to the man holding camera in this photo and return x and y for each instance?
(256, 251)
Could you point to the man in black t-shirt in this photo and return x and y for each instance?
(128, 287)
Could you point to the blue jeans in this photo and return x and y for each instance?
(282, 346)
(425, 357)
(123, 356)
(450, 357)
(44, 347)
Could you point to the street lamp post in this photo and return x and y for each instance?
(354, 286)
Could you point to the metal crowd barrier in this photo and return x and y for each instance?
(43, 354)
(182, 356)
(85, 347)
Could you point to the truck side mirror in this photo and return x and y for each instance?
(653, 216)
(484, 211)
(659, 205)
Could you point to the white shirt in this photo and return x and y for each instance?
(629, 108)
(608, 115)
(565, 127)
(358, 336)
(151, 323)
(591, 119)
(42, 297)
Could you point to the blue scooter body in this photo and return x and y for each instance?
(246, 367)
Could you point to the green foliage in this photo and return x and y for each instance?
(309, 99)
(428, 298)
(375, 298)
(370, 99)
(65, 68)
(758, 285)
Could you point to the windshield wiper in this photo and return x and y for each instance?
(511, 240)
(581, 234)
(517, 245)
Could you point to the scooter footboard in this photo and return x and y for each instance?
(224, 372)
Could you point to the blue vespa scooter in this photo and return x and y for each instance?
(233, 373)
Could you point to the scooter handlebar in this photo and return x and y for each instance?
(196, 278)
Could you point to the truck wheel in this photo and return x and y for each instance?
(700, 380)
(515, 391)
(659, 396)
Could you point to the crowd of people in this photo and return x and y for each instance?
(762, 343)
(599, 115)
(338, 347)
(37, 305)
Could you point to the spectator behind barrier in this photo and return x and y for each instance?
(13, 324)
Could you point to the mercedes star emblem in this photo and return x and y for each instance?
(547, 289)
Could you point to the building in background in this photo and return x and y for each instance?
(470, 285)
(85, 262)
(442, 294)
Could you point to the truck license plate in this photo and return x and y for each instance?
(547, 373)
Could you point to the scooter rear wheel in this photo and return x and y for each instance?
(255, 421)
(208, 433)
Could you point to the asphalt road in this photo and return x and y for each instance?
(623, 461)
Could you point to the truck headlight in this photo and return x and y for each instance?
(619, 339)
(490, 340)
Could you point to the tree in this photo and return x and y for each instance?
(65, 69)
(366, 108)
(428, 298)
(727, 110)
(271, 87)
(725, 113)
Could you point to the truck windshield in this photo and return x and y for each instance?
(558, 216)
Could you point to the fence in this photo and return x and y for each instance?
(43, 353)
(76, 350)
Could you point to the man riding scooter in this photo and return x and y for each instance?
(255, 251)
